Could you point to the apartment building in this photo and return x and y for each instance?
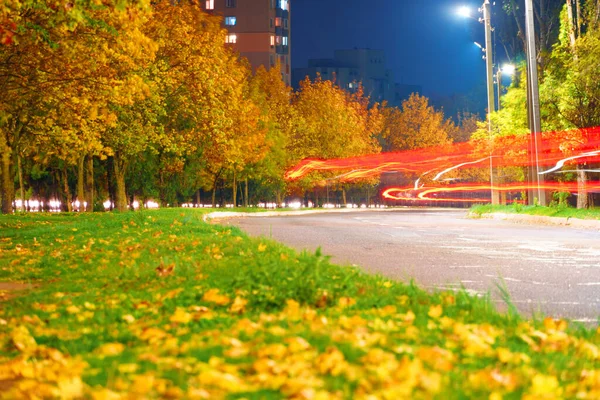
(259, 30)
(350, 67)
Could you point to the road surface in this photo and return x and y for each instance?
(550, 269)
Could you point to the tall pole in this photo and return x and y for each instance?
(499, 82)
(487, 16)
(534, 104)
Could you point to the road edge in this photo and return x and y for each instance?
(540, 219)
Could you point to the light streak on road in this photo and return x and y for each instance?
(435, 178)
(582, 147)
(476, 192)
(561, 163)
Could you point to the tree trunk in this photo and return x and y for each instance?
(198, 198)
(80, 184)
(89, 184)
(578, 10)
(214, 195)
(246, 201)
(8, 187)
(21, 187)
(571, 24)
(582, 193)
(234, 187)
(66, 191)
(344, 196)
(120, 194)
(277, 198)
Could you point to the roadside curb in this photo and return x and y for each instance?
(232, 214)
(541, 220)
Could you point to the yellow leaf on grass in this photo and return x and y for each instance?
(544, 384)
(110, 349)
(213, 296)
(71, 388)
(142, 384)
(345, 302)
(73, 309)
(128, 318)
(181, 316)
(435, 311)
(239, 305)
(105, 394)
(262, 247)
(23, 340)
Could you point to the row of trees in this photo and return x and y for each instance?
(123, 99)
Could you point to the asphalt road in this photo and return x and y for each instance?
(550, 269)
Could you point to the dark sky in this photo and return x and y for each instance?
(426, 43)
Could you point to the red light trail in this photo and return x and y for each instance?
(557, 150)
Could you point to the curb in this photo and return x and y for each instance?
(232, 214)
(541, 220)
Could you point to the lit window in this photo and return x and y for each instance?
(230, 3)
(285, 41)
(230, 21)
(284, 4)
(210, 4)
(272, 40)
(231, 38)
(278, 21)
(278, 40)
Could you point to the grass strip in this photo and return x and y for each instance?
(558, 211)
(159, 304)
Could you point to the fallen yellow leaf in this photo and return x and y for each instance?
(110, 349)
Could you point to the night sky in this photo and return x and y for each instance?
(425, 41)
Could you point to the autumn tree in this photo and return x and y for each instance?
(333, 123)
(415, 125)
(273, 97)
(53, 76)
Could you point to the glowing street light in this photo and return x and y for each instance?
(508, 69)
(464, 11)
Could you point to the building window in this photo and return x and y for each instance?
(273, 3)
(230, 3)
(285, 41)
(210, 4)
(231, 38)
(272, 40)
(284, 4)
(271, 22)
(285, 23)
(272, 59)
(277, 40)
(278, 21)
(230, 21)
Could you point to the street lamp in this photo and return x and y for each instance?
(533, 100)
(486, 20)
(507, 69)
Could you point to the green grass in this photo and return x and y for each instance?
(564, 212)
(128, 303)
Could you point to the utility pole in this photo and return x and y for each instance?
(533, 107)
(489, 65)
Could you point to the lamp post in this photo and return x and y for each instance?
(533, 100)
(507, 69)
(489, 65)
